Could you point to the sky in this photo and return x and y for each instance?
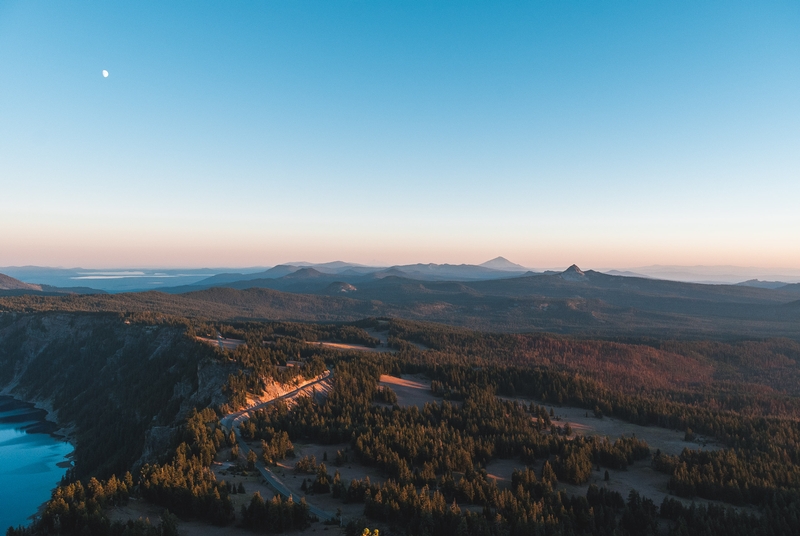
(607, 134)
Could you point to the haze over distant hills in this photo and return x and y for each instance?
(10, 286)
(126, 280)
(9, 283)
(109, 280)
(313, 277)
(572, 301)
(717, 274)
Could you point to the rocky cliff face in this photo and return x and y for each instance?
(113, 387)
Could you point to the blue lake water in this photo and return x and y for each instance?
(29, 458)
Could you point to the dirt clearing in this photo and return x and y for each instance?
(411, 390)
(358, 347)
(222, 342)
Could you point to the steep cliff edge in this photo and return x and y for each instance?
(109, 384)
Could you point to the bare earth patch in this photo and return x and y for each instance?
(222, 342)
(319, 386)
(501, 470)
(359, 347)
(411, 390)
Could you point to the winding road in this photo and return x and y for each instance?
(232, 422)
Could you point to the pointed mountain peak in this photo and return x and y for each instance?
(501, 263)
(573, 273)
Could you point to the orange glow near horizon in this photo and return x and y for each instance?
(170, 248)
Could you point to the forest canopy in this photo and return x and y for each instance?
(148, 370)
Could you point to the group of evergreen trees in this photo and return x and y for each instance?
(276, 515)
(186, 485)
(434, 457)
(424, 447)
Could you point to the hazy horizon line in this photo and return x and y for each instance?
(561, 267)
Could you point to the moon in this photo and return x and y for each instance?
(105, 73)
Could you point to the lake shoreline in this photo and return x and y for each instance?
(40, 418)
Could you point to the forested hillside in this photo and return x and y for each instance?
(119, 378)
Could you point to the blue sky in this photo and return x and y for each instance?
(252, 133)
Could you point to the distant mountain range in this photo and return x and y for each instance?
(122, 280)
(9, 283)
(372, 283)
(127, 280)
(306, 277)
(10, 286)
(572, 301)
(767, 284)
